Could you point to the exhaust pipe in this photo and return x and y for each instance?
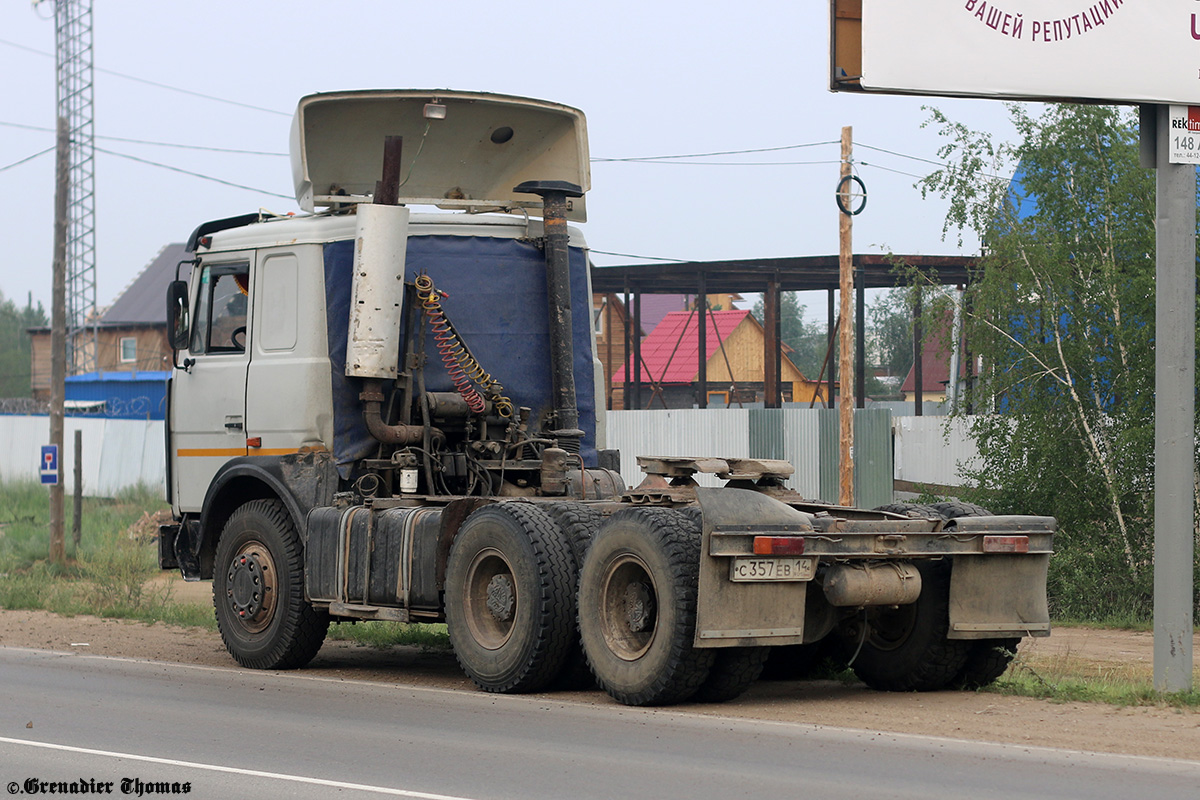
(554, 196)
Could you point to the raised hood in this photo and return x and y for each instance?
(484, 145)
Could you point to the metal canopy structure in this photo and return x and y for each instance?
(771, 276)
(793, 274)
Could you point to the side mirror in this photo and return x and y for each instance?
(178, 329)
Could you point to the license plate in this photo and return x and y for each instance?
(773, 569)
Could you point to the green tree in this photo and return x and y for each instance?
(889, 342)
(806, 339)
(15, 345)
(1062, 312)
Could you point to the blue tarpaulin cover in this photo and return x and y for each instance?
(497, 303)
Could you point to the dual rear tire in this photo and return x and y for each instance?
(510, 599)
(514, 623)
(906, 649)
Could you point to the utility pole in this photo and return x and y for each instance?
(73, 314)
(58, 335)
(74, 70)
(1174, 403)
(846, 337)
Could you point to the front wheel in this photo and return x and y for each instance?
(258, 590)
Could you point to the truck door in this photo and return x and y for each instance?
(208, 400)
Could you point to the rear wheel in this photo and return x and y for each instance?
(987, 659)
(510, 598)
(579, 523)
(904, 648)
(915, 510)
(733, 671)
(637, 607)
(952, 509)
(794, 662)
(258, 590)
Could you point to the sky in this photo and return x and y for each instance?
(654, 79)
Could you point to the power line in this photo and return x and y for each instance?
(154, 83)
(889, 169)
(27, 159)
(721, 163)
(630, 255)
(718, 153)
(41, 128)
(922, 177)
(900, 155)
(193, 174)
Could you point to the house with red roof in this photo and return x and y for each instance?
(735, 363)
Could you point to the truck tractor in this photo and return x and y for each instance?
(379, 414)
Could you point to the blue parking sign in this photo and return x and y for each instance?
(49, 465)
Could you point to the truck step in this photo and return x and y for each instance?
(360, 611)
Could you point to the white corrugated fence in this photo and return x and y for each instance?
(119, 453)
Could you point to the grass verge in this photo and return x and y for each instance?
(108, 574)
(114, 570)
(1065, 677)
(427, 636)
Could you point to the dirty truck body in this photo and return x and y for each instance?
(377, 414)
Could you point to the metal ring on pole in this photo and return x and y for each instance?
(842, 195)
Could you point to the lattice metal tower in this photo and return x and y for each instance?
(73, 50)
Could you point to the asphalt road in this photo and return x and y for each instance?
(102, 723)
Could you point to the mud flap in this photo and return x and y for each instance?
(998, 596)
(745, 614)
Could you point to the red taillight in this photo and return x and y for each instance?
(1006, 544)
(778, 545)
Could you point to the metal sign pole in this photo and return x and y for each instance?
(1174, 411)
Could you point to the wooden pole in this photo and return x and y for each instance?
(702, 341)
(77, 521)
(606, 310)
(770, 341)
(58, 337)
(918, 355)
(846, 341)
(829, 342)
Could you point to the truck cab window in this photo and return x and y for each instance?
(221, 310)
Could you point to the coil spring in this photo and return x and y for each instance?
(460, 364)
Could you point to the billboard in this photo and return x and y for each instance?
(1132, 51)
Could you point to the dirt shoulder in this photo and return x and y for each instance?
(1145, 731)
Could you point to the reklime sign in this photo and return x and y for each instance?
(1136, 51)
(1184, 135)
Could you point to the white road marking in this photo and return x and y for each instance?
(170, 762)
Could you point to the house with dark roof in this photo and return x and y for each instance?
(937, 356)
(734, 363)
(131, 334)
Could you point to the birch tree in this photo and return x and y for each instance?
(1061, 315)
